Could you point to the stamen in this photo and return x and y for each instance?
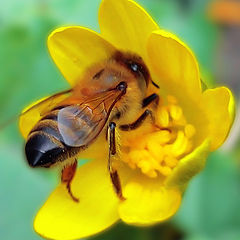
(163, 117)
(175, 112)
(171, 161)
(158, 152)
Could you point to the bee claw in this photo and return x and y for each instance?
(75, 199)
(122, 198)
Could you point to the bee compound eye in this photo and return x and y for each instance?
(134, 67)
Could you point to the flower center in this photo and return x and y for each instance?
(158, 150)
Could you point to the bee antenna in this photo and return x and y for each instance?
(154, 84)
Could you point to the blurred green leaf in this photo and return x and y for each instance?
(211, 203)
(165, 231)
(23, 191)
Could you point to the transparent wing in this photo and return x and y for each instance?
(80, 124)
(33, 113)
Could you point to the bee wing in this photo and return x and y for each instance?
(80, 124)
(32, 114)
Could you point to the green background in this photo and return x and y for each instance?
(210, 208)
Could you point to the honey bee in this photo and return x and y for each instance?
(110, 95)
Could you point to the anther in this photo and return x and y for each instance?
(159, 151)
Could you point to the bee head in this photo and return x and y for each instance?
(133, 63)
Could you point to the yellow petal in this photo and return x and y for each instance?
(73, 49)
(29, 119)
(174, 65)
(126, 24)
(220, 109)
(189, 166)
(62, 218)
(148, 201)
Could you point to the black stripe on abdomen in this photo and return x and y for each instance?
(50, 127)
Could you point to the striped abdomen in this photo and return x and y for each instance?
(45, 145)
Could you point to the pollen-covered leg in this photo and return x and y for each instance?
(112, 153)
(68, 173)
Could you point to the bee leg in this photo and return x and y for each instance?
(148, 100)
(138, 122)
(112, 153)
(67, 175)
(155, 85)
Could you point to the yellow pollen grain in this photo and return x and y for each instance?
(156, 150)
(160, 137)
(152, 174)
(175, 112)
(154, 163)
(180, 144)
(171, 161)
(162, 117)
(144, 165)
(134, 156)
(165, 170)
(180, 122)
(189, 130)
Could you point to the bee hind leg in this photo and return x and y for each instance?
(68, 173)
(112, 152)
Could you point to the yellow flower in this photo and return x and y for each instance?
(156, 164)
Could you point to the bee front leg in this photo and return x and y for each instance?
(138, 122)
(150, 99)
(68, 173)
(112, 153)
